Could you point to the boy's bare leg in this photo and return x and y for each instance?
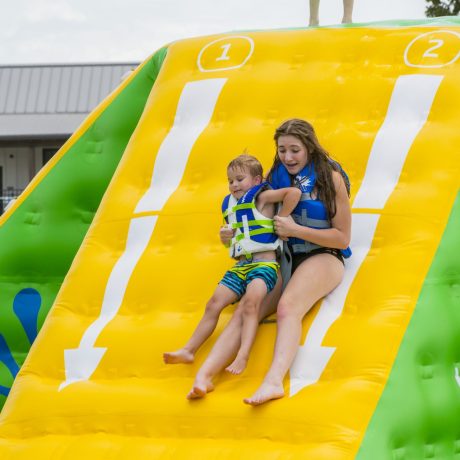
(347, 11)
(250, 306)
(222, 297)
(222, 352)
(314, 13)
(227, 345)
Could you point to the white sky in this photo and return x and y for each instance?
(62, 31)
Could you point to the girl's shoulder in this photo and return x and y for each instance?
(339, 181)
(340, 176)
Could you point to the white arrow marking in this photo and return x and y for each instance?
(312, 358)
(408, 111)
(80, 363)
(196, 106)
(194, 111)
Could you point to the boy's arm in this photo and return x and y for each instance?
(289, 197)
(338, 236)
(226, 234)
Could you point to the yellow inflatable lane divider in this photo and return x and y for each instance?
(382, 101)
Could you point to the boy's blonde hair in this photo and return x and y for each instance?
(248, 163)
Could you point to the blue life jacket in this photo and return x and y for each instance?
(309, 212)
(254, 231)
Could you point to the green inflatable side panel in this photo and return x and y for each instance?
(418, 415)
(39, 240)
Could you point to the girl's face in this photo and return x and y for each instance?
(292, 153)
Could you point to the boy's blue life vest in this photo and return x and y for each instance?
(309, 212)
(254, 231)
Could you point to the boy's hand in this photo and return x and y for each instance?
(226, 234)
(284, 227)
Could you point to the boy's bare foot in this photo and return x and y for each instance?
(266, 392)
(238, 366)
(179, 356)
(201, 386)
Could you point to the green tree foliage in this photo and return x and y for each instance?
(436, 8)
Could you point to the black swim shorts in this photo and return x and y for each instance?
(297, 259)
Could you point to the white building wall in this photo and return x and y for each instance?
(20, 164)
(17, 166)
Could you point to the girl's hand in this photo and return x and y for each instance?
(226, 234)
(284, 227)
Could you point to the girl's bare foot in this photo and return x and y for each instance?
(266, 392)
(201, 386)
(237, 366)
(179, 356)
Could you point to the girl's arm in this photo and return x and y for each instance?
(288, 197)
(338, 236)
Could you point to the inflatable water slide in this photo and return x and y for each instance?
(118, 238)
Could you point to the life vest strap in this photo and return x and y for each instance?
(237, 207)
(259, 231)
(260, 222)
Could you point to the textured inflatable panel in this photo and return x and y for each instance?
(384, 102)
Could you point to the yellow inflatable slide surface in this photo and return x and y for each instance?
(384, 102)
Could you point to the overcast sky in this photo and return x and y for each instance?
(62, 31)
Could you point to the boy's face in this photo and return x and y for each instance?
(240, 181)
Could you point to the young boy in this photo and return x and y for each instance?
(248, 212)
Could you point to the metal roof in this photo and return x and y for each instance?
(53, 99)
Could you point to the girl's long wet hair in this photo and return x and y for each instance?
(324, 164)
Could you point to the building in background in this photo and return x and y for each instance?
(40, 107)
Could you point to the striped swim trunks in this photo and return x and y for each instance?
(238, 277)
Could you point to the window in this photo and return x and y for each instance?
(48, 154)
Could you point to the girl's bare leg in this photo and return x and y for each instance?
(314, 13)
(250, 306)
(347, 11)
(222, 297)
(227, 345)
(312, 280)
